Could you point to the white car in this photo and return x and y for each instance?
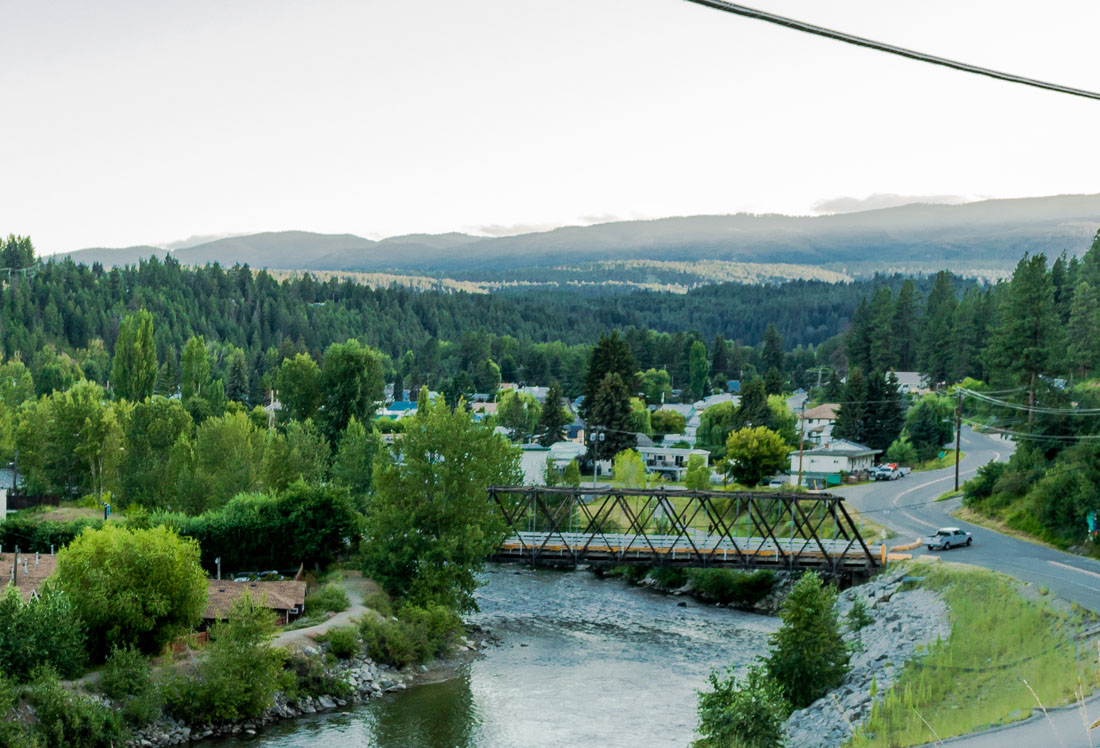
(948, 537)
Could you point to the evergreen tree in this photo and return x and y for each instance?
(719, 362)
(851, 417)
(772, 355)
(857, 341)
(753, 408)
(883, 339)
(609, 419)
(968, 336)
(834, 390)
(1083, 352)
(1022, 343)
(553, 418)
(936, 353)
(611, 355)
(134, 371)
(905, 330)
(773, 382)
(236, 383)
(884, 412)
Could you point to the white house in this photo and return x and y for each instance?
(670, 461)
(819, 422)
(823, 465)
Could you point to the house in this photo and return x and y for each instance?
(819, 422)
(539, 393)
(286, 598)
(733, 385)
(532, 462)
(671, 440)
(31, 572)
(670, 461)
(827, 464)
(399, 409)
(912, 382)
(709, 400)
(562, 453)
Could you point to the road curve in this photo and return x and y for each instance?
(909, 507)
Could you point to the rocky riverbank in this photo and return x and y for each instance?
(365, 680)
(905, 620)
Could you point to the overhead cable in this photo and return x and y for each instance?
(860, 41)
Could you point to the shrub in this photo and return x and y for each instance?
(981, 485)
(239, 675)
(127, 679)
(69, 720)
(14, 733)
(859, 615)
(308, 677)
(418, 634)
(343, 643)
(749, 714)
(42, 631)
(328, 598)
(669, 577)
(729, 586)
(808, 656)
(379, 601)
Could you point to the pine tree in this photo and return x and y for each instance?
(773, 382)
(1023, 341)
(236, 383)
(882, 335)
(1083, 352)
(753, 409)
(134, 371)
(611, 355)
(857, 341)
(553, 419)
(772, 355)
(935, 352)
(905, 329)
(719, 361)
(851, 417)
(609, 419)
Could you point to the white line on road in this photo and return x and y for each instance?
(1067, 566)
(897, 499)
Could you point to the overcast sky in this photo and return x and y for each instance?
(143, 122)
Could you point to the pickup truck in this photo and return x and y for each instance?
(948, 537)
(885, 472)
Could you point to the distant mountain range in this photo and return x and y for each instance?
(981, 238)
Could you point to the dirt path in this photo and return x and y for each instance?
(357, 588)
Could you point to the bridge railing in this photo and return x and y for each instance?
(690, 528)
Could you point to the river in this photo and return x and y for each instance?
(581, 661)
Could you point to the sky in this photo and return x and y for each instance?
(132, 122)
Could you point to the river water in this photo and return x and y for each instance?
(581, 661)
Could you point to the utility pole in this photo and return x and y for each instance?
(595, 454)
(958, 434)
(801, 441)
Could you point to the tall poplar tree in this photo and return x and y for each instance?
(134, 370)
(699, 369)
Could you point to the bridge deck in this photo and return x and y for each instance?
(695, 549)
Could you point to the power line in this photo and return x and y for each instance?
(860, 41)
(1029, 408)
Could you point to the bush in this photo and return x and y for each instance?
(127, 679)
(239, 675)
(669, 577)
(418, 634)
(729, 586)
(379, 601)
(14, 733)
(69, 720)
(742, 715)
(343, 643)
(328, 598)
(981, 485)
(808, 656)
(308, 677)
(42, 631)
(859, 616)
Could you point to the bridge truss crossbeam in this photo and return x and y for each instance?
(745, 529)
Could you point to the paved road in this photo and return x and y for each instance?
(908, 507)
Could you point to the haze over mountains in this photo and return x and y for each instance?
(985, 238)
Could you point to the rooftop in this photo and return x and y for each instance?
(823, 412)
(285, 595)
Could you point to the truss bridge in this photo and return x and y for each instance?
(744, 529)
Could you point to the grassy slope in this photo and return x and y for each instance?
(1004, 637)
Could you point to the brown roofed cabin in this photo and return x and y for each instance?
(29, 575)
(286, 598)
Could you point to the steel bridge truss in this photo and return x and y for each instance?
(749, 530)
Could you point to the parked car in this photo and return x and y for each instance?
(780, 482)
(948, 537)
(885, 472)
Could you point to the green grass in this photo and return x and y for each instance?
(1004, 640)
(939, 463)
(949, 494)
